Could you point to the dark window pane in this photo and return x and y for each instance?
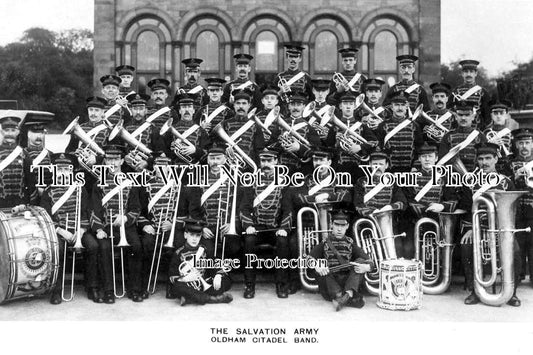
(326, 52)
(385, 51)
(207, 49)
(266, 51)
(148, 51)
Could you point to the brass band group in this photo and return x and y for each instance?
(396, 242)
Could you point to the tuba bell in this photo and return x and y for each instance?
(500, 208)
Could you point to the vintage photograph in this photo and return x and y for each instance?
(268, 172)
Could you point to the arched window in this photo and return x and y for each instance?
(207, 48)
(148, 51)
(385, 51)
(266, 51)
(326, 52)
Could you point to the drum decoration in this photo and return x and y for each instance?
(29, 254)
(400, 284)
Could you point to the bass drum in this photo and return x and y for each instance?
(29, 254)
(400, 284)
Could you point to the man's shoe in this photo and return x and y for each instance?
(514, 301)
(340, 302)
(145, 294)
(109, 297)
(294, 286)
(281, 290)
(169, 294)
(249, 290)
(94, 295)
(472, 299)
(55, 298)
(357, 301)
(136, 297)
(183, 301)
(223, 298)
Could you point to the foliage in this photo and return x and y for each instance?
(49, 71)
(517, 85)
(451, 74)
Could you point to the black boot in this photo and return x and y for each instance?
(472, 299)
(169, 294)
(357, 301)
(55, 298)
(109, 297)
(223, 298)
(94, 295)
(249, 290)
(281, 290)
(294, 286)
(135, 296)
(514, 301)
(145, 294)
(340, 301)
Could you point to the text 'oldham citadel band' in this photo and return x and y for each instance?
(351, 187)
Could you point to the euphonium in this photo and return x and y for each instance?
(241, 155)
(434, 249)
(435, 131)
(167, 126)
(500, 208)
(309, 237)
(120, 131)
(360, 102)
(313, 119)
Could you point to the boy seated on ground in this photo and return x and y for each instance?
(341, 286)
(191, 282)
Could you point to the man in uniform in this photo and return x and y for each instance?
(523, 141)
(372, 90)
(260, 213)
(202, 116)
(417, 93)
(341, 286)
(61, 203)
(242, 82)
(109, 217)
(159, 88)
(192, 86)
(303, 84)
(486, 157)
(479, 98)
(269, 100)
(440, 95)
(35, 154)
(496, 133)
(13, 182)
(192, 282)
(126, 73)
(110, 91)
(349, 62)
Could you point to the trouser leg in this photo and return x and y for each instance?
(90, 244)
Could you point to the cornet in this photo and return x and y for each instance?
(180, 140)
(436, 130)
(504, 135)
(340, 80)
(284, 94)
(313, 119)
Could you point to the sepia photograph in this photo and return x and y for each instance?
(230, 174)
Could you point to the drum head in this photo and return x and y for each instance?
(5, 269)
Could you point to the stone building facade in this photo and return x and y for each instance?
(155, 35)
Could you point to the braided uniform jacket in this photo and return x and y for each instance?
(161, 206)
(198, 138)
(457, 136)
(52, 194)
(200, 99)
(268, 212)
(209, 108)
(250, 141)
(187, 253)
(343, 156)
(403, 144)
(261, 115)
(145, 137)
(416, 97)
(503, 160)
(344, 246)
(12, 179)
(525, 209)
(210, 206)
(305, 131)
(30, 153)
(234, 84)
(101, 214)
(388, 195)
(435, 114)
(481, 102)
(159, 121)
(123, 91)
(303, 84)
(100, 138)
(334, 96)
(115, 117)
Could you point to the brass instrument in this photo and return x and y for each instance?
(434, 249)
(241, 157)
(76, 230)
(75, 129)
(123, 243)
(283, 94)
(309, 237)
(186, 269)
(360, 102)
(121, 132)
(436, 130)
(289, 131)
(500, 208)
(167, 126)
(349, 136)
(341, 80)
(493, 135)
(313, 119)
(232, 230)
(376, 237)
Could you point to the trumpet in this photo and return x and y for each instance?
(434, 249)
(167, 126)
(500, 208)
(309, 237)
(505, 135)
(75, 129)
(284, 94)
(360, 102)
(123, 243)
(376, 237)
(76, 228)
(241, 157)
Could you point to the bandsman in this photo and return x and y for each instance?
(372, 90)
(349, 72)
(159, 89)
(269, 100)
(440, 113)
(192, 86)
(293, 79)
(498, 133)
(110, 91)
(214, 112)
(242, 82)
(35, 154)
(126, 74)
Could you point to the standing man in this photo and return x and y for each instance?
(159, 88)
(440, 95)
(35, 154)
(269, 100)
(417, 93)
(126, 74)
(479, 98)
(242, 82)
(293, 54)
(498, 133)
(349, 62)
(110, 91)
(204, 116)
(372, 90)
(192, 85)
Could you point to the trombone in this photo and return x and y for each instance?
(223, 215)
(76, 228)
(123, 243)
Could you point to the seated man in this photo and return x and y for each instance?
(191, 282)
(342, 286)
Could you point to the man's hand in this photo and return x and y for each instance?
(207, 233)
(323, 197)
(188, 150)
(119, 220)
(281, 233)
(322, 270)
(435, 207)
(293, 147)
(251, 230)
(386, 208)
(148, 229)
(224, 229)
(361, 268)
(166, 226)
(100, 234)
(65, 234)
(467, 238)
(205, 125)
(217, 282)
(122, 102)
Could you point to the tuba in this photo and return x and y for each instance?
(376, 237)
(309, 237)
(167, 126)
(500, 207)
(434, 248)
